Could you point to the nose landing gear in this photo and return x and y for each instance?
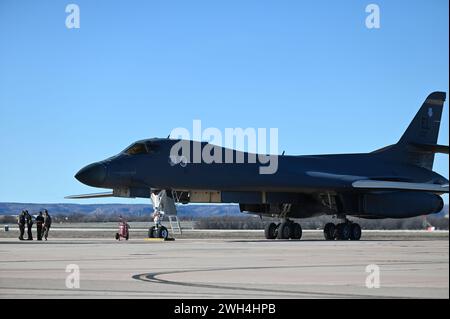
(162, 202)
(158, 232)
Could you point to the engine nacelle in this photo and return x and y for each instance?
(400, 204)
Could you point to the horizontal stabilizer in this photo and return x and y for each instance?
(426, 187)
(95, 195)
(430, 148)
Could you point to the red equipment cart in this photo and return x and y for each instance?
(123, 231)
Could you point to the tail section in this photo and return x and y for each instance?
(418, 144)
(424, 128)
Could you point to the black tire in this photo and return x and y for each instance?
(128, 236)
(151, 232)
(270, 231)
(162, 232)
(343, 231)
(329, 231)
(355, 231)
(284, 230)
(297, 231)
(117, 236)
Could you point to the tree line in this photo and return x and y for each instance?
(252, 222)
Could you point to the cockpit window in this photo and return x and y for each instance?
(142, 148)
(152, 147)
(137, 148)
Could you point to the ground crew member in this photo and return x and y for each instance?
(47, 223)
(21, 221)
(39, 225)
(29, 220)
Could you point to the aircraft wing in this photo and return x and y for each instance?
(376, 184)
(363, 182)
(95, 195)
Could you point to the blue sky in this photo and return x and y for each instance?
(138, 69)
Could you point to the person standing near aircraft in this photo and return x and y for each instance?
(47, 223)
(29, 220)
(21, 222)
(39, 225)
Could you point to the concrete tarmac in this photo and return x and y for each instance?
(224, 268)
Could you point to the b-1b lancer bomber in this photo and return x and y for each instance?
(396, 181)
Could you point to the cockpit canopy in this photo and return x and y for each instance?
(145, 147)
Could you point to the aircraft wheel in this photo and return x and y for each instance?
(329, 231)
(296, 232)
(151, 232)
(162, 232)
(343, 231)
(270, 231)
(284, 230)
(355, 231)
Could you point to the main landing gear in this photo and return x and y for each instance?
(284, 230)
(288, 229)
(342, 231)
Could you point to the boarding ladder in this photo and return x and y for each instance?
(175, 224)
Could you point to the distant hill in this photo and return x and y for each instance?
(117, 209)
(129, 209)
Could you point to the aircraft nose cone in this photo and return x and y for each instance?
(92, 175)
